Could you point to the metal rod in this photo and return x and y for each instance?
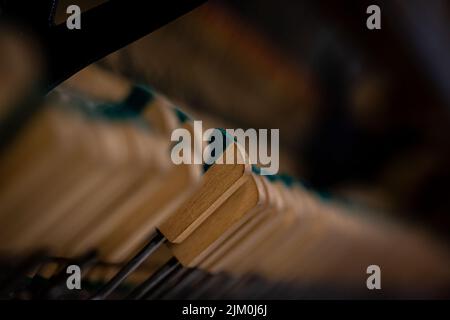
(166, 287)
(157, 240)
(155, 279)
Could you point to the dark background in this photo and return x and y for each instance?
(363, 114)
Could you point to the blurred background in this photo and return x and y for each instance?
(363, 114)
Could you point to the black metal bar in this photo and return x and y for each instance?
(164, 288)
(156, 241)
(155, 279)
